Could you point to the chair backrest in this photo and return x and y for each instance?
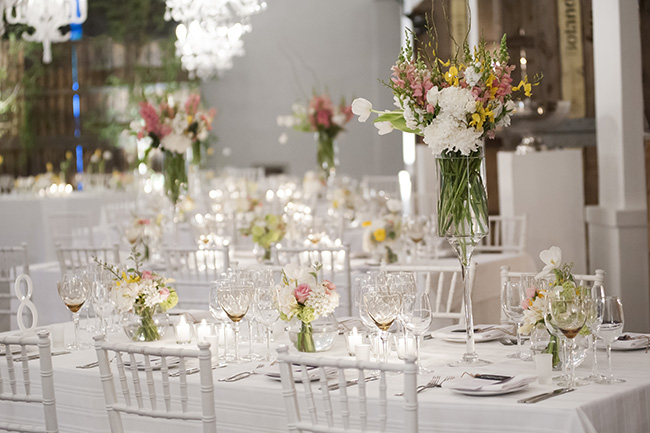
(13, 262)
(251, 174)
(598, 277)
(16, 384)
(363, 407)
(335, 263)
(66, 228)
(506, 235)
(444, 283)
(380, 186)
(71, 258)
(139, 392)
(193, 271)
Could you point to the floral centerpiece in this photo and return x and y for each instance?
(302, 296)
(557, 277)
(97, 162)
(144, 233)
(143, 293)
(265, 231)
(322, 117)
(454, 105)
(175, 128)
(381, 233)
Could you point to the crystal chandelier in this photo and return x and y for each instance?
(209, 32)
(46, 17)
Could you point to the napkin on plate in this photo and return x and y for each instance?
(629, 341)
(481, 333)
(273, 372)
(469, 383)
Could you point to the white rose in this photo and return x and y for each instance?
(176, 143)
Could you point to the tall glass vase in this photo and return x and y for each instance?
(463, 221)
(175, 178)
(326, 155)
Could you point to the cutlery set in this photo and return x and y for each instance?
(37, 356)
(544, 396)
(351, 382)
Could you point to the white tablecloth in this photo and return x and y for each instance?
(24, 218)
(485, 299)
(255, 404)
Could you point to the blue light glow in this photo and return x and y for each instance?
(75, 106)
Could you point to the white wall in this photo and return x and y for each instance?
(344, 46)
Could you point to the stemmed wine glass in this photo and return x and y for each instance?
(610, 329)
(569, 315)
(416, 314)
(594, 294)
(74, 293)
(235, 300)
(102, 301)
(415, 228)
(383, 307)
(513, 297)
(266, 311)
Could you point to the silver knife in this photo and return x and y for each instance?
(335, 386)
(540, 397)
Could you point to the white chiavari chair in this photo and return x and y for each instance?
(194, 271)
(335, 263)
(72, 228)
(71, 258)
(444, 284)
(380, 186)
(363, 407)
(597, 278)
(250, 174)
(506, 235)
(17, 386)
(139, 392)
(13, 262)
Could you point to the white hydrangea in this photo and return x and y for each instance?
(322, 301)
(454, 102)
(472, 76)
(176, 142)
(450, 133)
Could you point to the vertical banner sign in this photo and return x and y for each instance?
(571, 55)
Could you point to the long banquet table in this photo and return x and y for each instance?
(255, 404)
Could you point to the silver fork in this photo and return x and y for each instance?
(429, 384)
(243, 374)
(438, 384)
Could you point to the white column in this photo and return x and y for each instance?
(618, 232)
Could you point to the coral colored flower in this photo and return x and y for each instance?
(147, 275)
(329, 286)
(302, 293)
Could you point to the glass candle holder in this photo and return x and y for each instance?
(352, 340)
(183, 331)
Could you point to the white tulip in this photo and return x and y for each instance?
(552, 259)
(362, 108)
(384, 127)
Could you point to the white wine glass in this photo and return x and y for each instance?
(593, 293)
(513, 297)
(569, 315)
(416, 314)
(74, 293)
(610, 329)
(102, 301)
(383, 307)
(235, 300)
(266, 311)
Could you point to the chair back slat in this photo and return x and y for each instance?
(20, 385)
(367, 397)
(506, 235)
(71, 258)
(134, 400)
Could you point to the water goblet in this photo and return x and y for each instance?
(74, 293)
(383, 307)
(593, 293)
(235, 300)
(102, 301)
(416, 315)
(569, 315)
(513, 297)
(610, 329)
(266, 312)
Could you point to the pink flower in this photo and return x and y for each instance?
(144, 221)
(302, 293)
(530, 292)
(147, 275)
(164, 292)
(329, 286)
(526, 303)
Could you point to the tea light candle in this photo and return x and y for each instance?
(225, 334)
(183, 331)
(354, 339)
(405, 346)
(203, 330)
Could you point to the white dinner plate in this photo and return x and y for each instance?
(635, 343)
(456, 333)
(489, 392)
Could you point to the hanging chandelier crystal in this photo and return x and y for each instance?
(209, 32)
(46, 17)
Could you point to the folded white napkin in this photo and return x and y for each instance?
(469, 383)
(481, 333)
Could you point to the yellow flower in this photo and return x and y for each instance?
(49, 167)
(452, 76)
(210, 151)
(189, 120)
(335, 203)
(98, 153)
(379, 235)
(366, 224)
(527, 87)
(68, 155)
(1, 159)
